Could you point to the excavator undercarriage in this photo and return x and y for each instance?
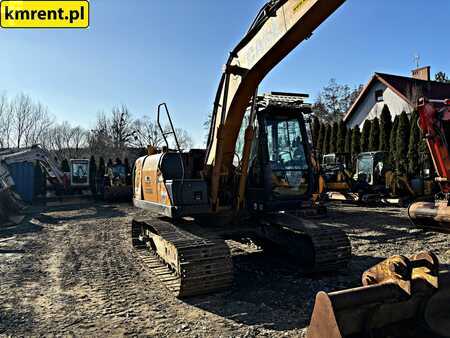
(191, 259)
(278, 214)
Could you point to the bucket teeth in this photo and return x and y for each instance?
(426, 267)
(396, 270)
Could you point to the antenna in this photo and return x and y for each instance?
(417, 60)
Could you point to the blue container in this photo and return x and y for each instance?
(23, 176)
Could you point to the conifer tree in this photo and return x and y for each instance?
(65, 166)
(326, 140)
(402, 143)
(92, 174)
(315, 131)
(341, 136)
(413, 147)
(348, 141)
(333, 138)
(374, 136)
(393, 142)
(365, 134)
(356, 142)
(385, 128)
(320, 138)
(101, 168)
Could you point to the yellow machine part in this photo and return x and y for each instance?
(401, 297)
(431, 215)
(149, 181)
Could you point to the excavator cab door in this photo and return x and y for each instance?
(281, 172)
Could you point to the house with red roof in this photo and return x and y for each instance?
(399, 93)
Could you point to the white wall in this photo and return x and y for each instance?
(369, 108)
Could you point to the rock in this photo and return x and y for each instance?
(185, 327)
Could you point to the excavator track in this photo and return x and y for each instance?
(332, 249)
(186, 264)
(318, 247)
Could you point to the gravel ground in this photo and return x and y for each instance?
(73, 272)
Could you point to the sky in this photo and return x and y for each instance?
(143, 52)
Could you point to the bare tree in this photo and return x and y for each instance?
(184, 139)
(441, 77)
(22, 117)
(41, 123)
(79, 141)
(4, 121)
(121, 127)
(146, 133)
(335, 100)
(67, 141)
(99, 139)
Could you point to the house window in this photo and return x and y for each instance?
(379, 96)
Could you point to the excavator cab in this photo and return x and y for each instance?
(370, 167)
(281, 172)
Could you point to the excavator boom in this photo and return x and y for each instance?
(279, 27)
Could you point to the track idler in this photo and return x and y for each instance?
(400, 297)
(431, 215)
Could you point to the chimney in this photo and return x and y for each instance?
(423, 73)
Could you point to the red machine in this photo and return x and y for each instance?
(434, 121)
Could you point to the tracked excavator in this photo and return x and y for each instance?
(256, 180)
(434, 121)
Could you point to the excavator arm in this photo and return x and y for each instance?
(431, 122)
(434, 121)
(280, 26)
(36, 153)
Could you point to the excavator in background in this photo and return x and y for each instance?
(434, 121)
(63, 187)
(337, 178)
(256, 180)
(116, 184)
(372, 182)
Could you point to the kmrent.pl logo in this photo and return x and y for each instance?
(44, 14)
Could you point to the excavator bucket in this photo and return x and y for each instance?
(431, 215)
(400, 297)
